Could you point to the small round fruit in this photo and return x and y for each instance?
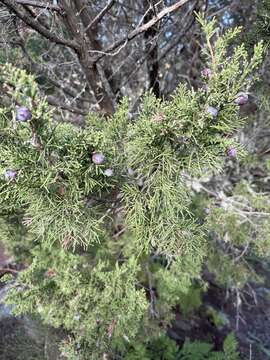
(206, 73)
(108, 172)
(140, 182)
(231, 152)
(212, 111)
(23, 114)
(131, 172)
(241, 99)
(98, 158)
(10, 175)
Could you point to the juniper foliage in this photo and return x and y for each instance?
(111, 255)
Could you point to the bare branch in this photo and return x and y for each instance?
(39, 4)
(5, 271)
(90, 70)
(99, 17)
(142, 28)
(185, 29)
(54, 102)
(30, 21)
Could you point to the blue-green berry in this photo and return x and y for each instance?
(10, 175)
(98, 158)
(231, 152)
(241, 99)
(212, 111)
(108, 172)
(23, 114)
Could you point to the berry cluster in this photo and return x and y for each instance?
(23, 114)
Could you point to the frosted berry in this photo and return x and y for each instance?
(108, 172)
(140, 182)
(206, 73)
(131, 172)
(98, 158)
(77, 317)
(212, 111)
(10, 175)
(241, 99)
(231, 152)
(23, 114)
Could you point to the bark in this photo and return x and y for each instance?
(151, 38)
(93, 78)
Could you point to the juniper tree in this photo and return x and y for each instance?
(106, 213)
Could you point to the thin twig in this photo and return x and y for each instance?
(151, 292)
(99, 17)
(5, 271)
(53, 102)
(142, 28)
(39, 4)
(30, 21)
(242, 253)
(238, 303)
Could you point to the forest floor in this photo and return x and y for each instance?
(246, 313)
